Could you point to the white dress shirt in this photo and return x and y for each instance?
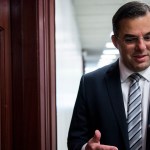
(145, 89)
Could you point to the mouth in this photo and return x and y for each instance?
(140, 58)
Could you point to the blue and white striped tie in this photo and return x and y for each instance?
(134, 117)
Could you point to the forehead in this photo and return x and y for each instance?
(135, 26)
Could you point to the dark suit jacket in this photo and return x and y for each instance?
(99, 105)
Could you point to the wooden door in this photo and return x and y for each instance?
(27, 75)
(5, 78)
(33, 74)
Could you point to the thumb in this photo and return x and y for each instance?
(96, 137)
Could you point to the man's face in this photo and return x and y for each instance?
(133, 42)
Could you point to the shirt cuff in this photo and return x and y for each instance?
(83, 147)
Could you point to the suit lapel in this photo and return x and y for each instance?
(116, 99)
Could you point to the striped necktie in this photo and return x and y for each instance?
(134, 117)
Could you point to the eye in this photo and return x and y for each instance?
(147, 37)
(129, 40)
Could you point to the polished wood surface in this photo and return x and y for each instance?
(47, 73)
(33, 75)
(27, 75)
(25, 85)
(5, 77)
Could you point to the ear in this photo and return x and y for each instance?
(114, 40)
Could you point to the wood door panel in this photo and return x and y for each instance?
(2, 91)
(5, 78)
(27, 75)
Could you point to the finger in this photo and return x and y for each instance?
(107, 147)
(97, 136)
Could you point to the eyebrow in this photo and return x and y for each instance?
(147, 33)
(131, 35)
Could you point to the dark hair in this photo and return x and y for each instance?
(129, 10)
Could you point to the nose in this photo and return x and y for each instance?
(141, 45)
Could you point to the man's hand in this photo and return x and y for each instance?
(94, 143)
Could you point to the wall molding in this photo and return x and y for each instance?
(47, 69)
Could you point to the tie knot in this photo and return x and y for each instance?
(135, 77)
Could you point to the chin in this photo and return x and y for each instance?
(141, 67)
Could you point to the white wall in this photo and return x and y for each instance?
(68, 67)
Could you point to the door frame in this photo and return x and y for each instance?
(47, 74)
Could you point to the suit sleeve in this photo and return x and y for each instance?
(79, 128)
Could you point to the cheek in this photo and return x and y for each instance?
(126, 51)
(148, 47)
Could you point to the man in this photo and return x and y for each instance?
(103, 118)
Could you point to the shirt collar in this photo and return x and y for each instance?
(125, 72)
